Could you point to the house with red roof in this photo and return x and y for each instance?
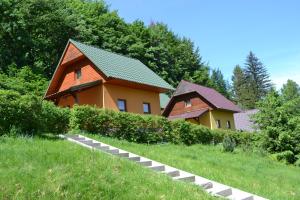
(201, 105)
(87, 75)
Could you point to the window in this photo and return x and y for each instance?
(78, 73)
(218, 123)
(187, 103)
(122, 105)
(228, 124)
(146, 108)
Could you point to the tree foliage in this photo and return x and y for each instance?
(34, 32)
(251, 83)
(279, 121)
(218, 82)
(290, 90)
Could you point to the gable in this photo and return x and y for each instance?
(209, 94)
(64, 75)
(71, 54)
(88, 74)
(177, 104)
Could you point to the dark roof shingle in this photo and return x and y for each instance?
(211, 95)
(189, 115)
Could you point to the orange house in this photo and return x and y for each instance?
(92, 76)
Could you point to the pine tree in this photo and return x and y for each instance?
(290, 90)
(242, 94)
(258, 78)
(218, 82)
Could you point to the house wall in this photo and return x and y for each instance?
(104, 95)
(91, 96)
(134, 98)
(223, 116)
(66, 101)
(203, 120)
(179, 105)
(88, 74)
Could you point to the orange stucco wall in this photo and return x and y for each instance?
(134, 98)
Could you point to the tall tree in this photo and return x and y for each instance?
(258, 78)
(290, 90)
(240, 87)
(218, 82)
(34, 33)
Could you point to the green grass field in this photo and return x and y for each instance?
(250, 172)
(55, 169)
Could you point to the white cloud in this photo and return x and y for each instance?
(279, 80)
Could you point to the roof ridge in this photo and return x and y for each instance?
(200, 85)
(93, 46)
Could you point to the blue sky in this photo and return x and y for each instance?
(225, 31)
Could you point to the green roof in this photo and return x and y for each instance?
(164, 100)
(121, 67)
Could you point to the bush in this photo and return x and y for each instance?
(54, 119)
(202, 134)
(19, 112)
(286, 156)
(229, 143)
(147, 128)
(28, 114)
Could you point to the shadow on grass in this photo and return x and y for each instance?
(49, 136)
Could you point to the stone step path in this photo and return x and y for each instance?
(212, 187)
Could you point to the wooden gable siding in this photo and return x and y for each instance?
(72, 53)
(178, 107)
(88, 74)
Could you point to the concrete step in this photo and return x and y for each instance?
(185, 178)
(145, 163)
(173, 173)
(240, 195)
(103, 148)
(211, 187)
(135, 158)
(72, 136)
(124, 155)
(112, 151)
(158, 168)
(221, 190)
(207, 185)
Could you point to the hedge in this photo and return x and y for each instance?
(28, 114)
(149, 128)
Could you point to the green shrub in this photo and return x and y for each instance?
(229, 143)
(19, 112)
(297, 163)
(147, 128)
(201, 134)
(286, 156)
(28, 114)
(54, 119)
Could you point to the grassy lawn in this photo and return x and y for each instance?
(247, 171)
(55, 169)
